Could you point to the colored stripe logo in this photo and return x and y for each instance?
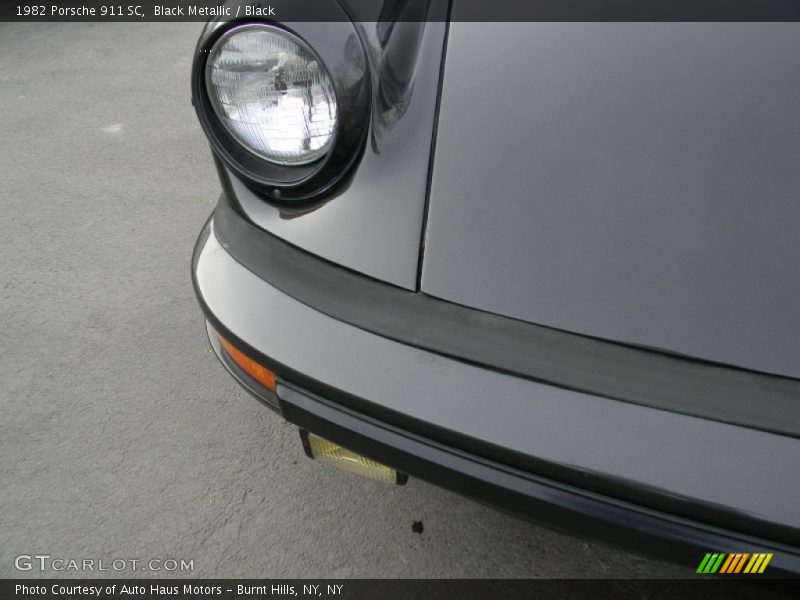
(734, 563)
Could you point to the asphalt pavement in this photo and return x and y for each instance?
(121, 436)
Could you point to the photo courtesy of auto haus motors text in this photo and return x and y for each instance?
(61, 590)
(401, 299)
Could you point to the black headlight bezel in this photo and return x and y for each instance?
(339, 47)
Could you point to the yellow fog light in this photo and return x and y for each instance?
(331, 453)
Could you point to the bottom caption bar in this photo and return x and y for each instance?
(412, 589)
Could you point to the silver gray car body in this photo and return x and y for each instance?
(624, 197)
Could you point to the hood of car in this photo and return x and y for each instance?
(634, 182)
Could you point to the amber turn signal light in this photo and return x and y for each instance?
(261, 374)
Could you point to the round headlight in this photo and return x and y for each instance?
(272, 94)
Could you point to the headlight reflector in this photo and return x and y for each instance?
(272, 94)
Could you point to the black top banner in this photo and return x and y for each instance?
(400, 10)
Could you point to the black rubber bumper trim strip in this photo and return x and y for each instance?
(640, 376)
(554, 504)
(612, 487)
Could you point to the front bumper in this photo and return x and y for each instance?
(663, 483)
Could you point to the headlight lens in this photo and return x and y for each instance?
(272, 94)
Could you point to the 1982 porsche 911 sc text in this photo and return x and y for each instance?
(550, 266)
